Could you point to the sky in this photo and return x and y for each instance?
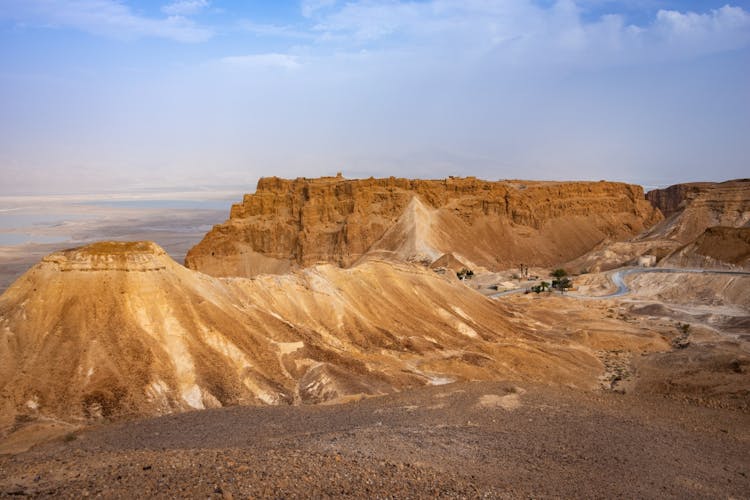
(104, 96)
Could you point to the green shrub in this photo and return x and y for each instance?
(465, 274)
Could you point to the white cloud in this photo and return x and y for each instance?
(311, 7)
(421, 88)
(274, 30)
(726, 28)
(109, 18)
(270, 60)
(521, 31)
(184, 7)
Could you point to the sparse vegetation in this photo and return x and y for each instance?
(561, 281)
(541, 287)
(465, 274)
(683, 339)
(562, 284)
(559, 273)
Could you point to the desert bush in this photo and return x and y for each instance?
(559, 273)
(465, 274)
(683, 339)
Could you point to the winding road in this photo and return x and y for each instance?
(618, 279)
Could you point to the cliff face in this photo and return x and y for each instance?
(672, 199)
(692, 208)
(296, 223)
(697, 231)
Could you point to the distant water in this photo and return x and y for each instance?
(18, 227)
(44, 221)
(21, 219)
(166, 204)
(12, 239)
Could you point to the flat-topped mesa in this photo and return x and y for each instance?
(328, 197)
(109, 256)
(292, 223)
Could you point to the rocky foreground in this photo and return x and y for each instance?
(492, 439)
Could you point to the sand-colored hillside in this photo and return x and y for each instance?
(448, 261)
(118, 329)
(705, 226)
(718, 247)
(289, 224)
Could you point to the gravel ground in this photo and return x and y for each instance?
(459, 440)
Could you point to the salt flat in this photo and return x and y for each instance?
(34, 226)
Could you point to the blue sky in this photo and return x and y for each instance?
(105, 95)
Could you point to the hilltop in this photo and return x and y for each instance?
(291, 224)
(120, 329)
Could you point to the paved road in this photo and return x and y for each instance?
(618, 279)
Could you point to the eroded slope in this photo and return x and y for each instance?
(706, 225)
(289, 224)
(117, 329)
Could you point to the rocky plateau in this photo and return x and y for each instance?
(288, 224)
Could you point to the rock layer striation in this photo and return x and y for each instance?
(289, 224)
(706, 225)
(692, 208)
(117, 329)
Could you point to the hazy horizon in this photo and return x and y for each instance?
(233, 193)
(103, 96)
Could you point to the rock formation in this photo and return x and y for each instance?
(447, 262)
(717, 248)
(692, 208)
(116, 329)
(290, 224)
(705, 226)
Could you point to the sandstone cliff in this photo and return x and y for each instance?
(672, 199)
(692, 208)
(288, 224)
(697, 230)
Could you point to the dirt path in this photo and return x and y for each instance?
(459, 440)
